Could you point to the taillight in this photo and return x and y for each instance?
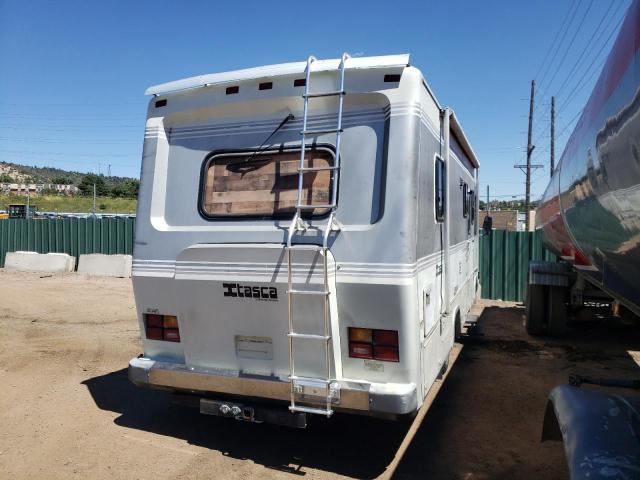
(387, 354)
(374, 344)
(360, 350)
(161, 327)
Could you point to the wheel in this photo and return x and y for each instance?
(535, 309)
(457, 328)
(556, 311)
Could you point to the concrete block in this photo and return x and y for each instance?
(39, 262)
(105, 265)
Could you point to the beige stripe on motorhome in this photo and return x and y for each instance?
(349, 119)
(347, 272)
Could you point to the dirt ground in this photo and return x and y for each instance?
(67, 409)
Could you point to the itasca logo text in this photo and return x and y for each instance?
(245, 291)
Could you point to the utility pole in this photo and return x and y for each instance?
(527, 168)
(487, 206)
(94, 199)
(553, 136)
(530, 147)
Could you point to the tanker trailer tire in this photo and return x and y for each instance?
(556, 311)
(535, 309)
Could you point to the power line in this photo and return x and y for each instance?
(517, 196)
(583, 81)
(60, 140)
(571, 13)
(581, 58)
(81, 104)
(571, 94)
(62, 128)
(554, 39)
(92, 154)
(570, 122)
(598, 32)
(575, 34)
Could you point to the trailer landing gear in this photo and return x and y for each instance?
(546, 298)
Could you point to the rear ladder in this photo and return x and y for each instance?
(324, 384)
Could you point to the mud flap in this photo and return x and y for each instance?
(600, 432)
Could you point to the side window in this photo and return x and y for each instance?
(472, 205)
(472, 211)
(465, 200)
(440, 192)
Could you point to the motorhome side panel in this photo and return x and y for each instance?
(436, 328)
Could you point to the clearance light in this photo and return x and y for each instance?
(361, 335)
(374, 344)
(161, 327)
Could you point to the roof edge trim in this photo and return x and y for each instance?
(384, 61)
(462, 139)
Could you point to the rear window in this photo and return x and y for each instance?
(246, 184)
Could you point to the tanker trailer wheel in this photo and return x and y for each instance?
(557, 311)
(534, 313)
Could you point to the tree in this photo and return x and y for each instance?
(132, 187)
(61, 180)
(126, 189)
(86, 185)
(4, 178)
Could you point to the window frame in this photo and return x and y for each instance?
(210, 157)
(439, 216)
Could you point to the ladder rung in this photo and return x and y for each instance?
(308, 292)
(317, 169)
(311, 207)
(308, 336)
(320, 132)
(310, 380)
(324, 94)
(318, 411)
(313, 248)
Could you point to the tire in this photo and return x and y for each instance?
(535, 309)
(556, 311)
(457, 328)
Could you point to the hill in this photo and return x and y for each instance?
(78, 204)
(15, 173)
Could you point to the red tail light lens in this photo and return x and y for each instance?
(153, 320)
(360, 350)
(171, 335)
(154, 333)
(388, 338)
(161, 327)
(376, 344)
(386, 354)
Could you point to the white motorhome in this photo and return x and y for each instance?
(306, 239)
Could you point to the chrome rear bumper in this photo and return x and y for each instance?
(382, 398)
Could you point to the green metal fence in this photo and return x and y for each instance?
(74, 236)
(504, 262)
(504, 255)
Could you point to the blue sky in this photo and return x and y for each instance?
(73, 73)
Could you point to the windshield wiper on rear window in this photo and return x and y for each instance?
(249, 164)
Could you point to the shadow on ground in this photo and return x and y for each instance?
(484, 424)
(354, 446)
